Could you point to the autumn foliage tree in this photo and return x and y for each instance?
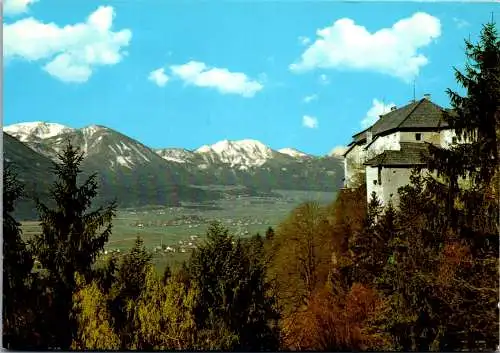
(301, 251)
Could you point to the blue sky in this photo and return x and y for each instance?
(302, 74)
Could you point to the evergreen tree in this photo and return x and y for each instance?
(234, 311)
(269, 233)
(475, 118)
(17, 265)
(71, 238)
(130, 283)
(369, 249)
(133, 268)
(469, 178)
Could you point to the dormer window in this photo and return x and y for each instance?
(418, 136)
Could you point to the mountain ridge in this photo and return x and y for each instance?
(141, 175)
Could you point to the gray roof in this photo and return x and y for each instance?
(411, 154)
(418, 115)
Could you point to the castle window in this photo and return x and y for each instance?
(379, 176)
(453, 140)
(418, 136)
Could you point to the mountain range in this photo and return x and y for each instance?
(137, 175)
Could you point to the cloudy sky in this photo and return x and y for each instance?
(302, 74)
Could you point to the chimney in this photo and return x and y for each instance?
(427, 96)
(369, 136)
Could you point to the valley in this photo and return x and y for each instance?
(172, 232)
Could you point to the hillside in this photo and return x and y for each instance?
(137, 175)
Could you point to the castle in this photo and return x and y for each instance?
(386, 152)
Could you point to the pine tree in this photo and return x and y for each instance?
(17, 265)
(472, 210)
(234, 309)
(369, 248)
(475, 118)
(269, 233)
(130, 283)
(72, 236)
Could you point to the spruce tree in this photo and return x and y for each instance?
(130, 283)
(73, 234)
(442, 275)
(475, 117)
(234, 310)
(473, 208)
(269, 233)
(17, 265)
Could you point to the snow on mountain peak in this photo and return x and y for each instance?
(178, 155)
(36, 130)
(243, 153)
(292, 152)
(92, 129)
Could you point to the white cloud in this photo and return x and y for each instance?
(338, 151)
(373, 114)
(304, 40)
(199, 74)
(323, 79)
(16, 7)
(159, 77)
(310, 122)
(70, 53)
(392, 51)
(312, 97)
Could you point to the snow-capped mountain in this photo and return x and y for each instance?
(36, 130)
(242, 154)
(139, 175)
(101, 146)
(178, 155)
(292, 152)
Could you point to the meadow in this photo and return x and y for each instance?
(182, 228)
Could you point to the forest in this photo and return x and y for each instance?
(352, 276)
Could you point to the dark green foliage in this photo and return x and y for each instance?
(369, 248)
(269, 233)
(442, 274)
(107, 273)
(131, 275)
(167, 274)
(17, 265)
(71, 238)
(469, 185)
(476, 119)
(234, 311)
(130, 283)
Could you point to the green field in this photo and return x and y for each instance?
(244, 216)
